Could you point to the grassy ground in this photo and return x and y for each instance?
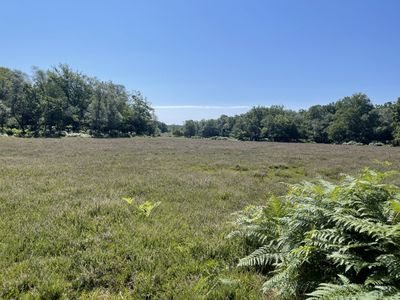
(66, 232)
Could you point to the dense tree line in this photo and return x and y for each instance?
(62, 100)
(352, 118)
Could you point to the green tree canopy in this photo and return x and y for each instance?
(354, 120)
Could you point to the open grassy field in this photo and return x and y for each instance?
(65, 231)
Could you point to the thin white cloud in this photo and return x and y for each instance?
(199, 107)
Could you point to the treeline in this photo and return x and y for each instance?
(60, 100)
(352, 118)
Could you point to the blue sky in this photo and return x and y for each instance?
(199, 59)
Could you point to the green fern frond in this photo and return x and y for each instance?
(266, 255)
(392, 263)
(327, 291)
(320, 230)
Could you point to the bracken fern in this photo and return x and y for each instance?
(328, 241)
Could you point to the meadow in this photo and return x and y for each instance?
(66, 232)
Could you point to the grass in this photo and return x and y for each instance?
(65, 231)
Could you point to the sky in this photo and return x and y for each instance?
(196, 59)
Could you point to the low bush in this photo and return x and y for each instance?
(353, 143)
(378, 144)
(78, 134)
(14, 132)
(219, 138)
(327, 241)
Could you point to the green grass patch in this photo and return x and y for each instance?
(65, 231)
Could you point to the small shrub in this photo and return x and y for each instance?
(145, 209)
(177, 132)
(354, 143)
(326, 240)
(78, 134)
(378, 144)
(16, 132)
(9, 131)
(219, 138)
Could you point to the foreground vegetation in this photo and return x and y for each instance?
(76, 218)
(328, 240)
